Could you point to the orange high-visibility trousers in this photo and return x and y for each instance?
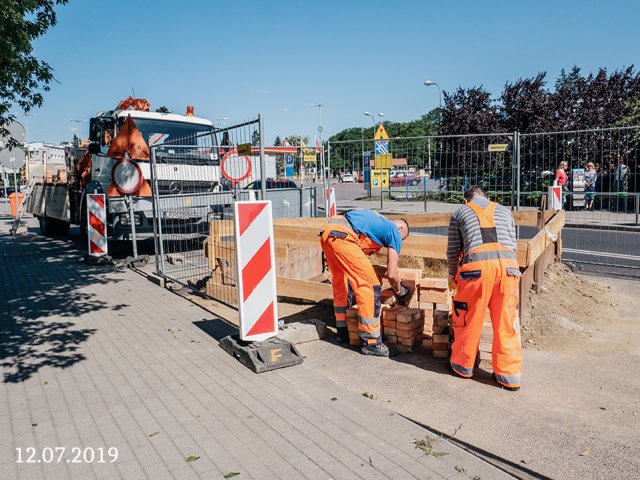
(488, 278)
(349, 265)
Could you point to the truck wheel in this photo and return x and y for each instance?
(45, 226)
(61, 228)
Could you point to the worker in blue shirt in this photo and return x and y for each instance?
(346, 242)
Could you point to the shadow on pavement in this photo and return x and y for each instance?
(43, 293)
(216, 328)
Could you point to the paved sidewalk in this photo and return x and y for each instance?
(94, 357)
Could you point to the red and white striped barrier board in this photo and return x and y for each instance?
(256, 272)
(554, 198)
(97, 224)
(330, 202)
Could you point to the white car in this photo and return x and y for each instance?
(347, 178)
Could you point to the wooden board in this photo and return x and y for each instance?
(304, 289)
(539, 243)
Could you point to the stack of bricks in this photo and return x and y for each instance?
(352, 326)
(402, 328)
(435, 303)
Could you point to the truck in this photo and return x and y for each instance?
(58, 193)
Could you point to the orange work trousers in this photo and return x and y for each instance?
(488, 280)
(349, 265)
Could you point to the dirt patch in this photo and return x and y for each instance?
(566, 306)
(430, 267)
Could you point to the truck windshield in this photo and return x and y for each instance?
(178, 142)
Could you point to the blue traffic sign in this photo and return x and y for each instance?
(382, 148)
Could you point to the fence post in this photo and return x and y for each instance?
(424, 192)
(637, 202)
(263, 177)
(157, 225)
(515, 171)
(328, 168)
(301, 201)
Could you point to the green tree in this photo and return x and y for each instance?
(23, 77)
(255, 138)
(277, 142)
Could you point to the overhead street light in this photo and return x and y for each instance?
(428, 83)
(373, 118)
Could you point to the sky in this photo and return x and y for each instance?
(239, 58)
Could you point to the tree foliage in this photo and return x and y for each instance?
(23, 77)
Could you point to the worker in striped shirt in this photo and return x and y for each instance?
(484, 272)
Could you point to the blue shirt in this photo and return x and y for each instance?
(378, 228)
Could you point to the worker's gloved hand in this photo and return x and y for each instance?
(402, 295)
(453, 285)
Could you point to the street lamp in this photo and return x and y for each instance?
(77, 127)
(319, 107)
(428, 83)
(373, 119)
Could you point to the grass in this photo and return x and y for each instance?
(426, 445)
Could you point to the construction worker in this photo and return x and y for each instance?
(484, 272)
(346, 242)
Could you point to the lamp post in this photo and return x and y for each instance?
(325, 184)
(77, 127)
(428, 83)
(373, 119)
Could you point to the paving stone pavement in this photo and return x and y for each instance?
(96, 360)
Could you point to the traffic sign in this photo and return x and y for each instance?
(497, 147)
(381, 133)
(309, 158)
(365, 161)
(244, 149)
(382, 148)
(379, 178)
(289, 166)
(383, 160)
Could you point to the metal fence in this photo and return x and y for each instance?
(431, 173)
(195, 180)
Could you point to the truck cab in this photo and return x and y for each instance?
(200, 174)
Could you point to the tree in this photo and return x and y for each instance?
(277, 142)
(527, 106)
(23, 77)
(255, 138)
(469, 111)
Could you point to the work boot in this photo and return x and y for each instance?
(379, 350)
(342, 335)
(511, 389)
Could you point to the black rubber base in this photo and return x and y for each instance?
(263, 356)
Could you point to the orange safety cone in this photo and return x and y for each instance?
(15, 206)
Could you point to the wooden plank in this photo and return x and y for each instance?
(538, 243)
(541, 264)
(304, 289)
(526, 282)
(423, 220)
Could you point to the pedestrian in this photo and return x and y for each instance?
(621, 177)
(590, 178)
(483, 270)
(346, 243)
(562, 178)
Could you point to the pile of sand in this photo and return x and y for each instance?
(566, 306)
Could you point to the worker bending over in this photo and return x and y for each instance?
(483, 269)
(346, 242)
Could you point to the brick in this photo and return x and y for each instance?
(409, 334)
(389, 323)
(406, 348)
(390, 331)
(354, 336)
(443, 306)
(429, 282)
(441, 353)
(355, 343)
(408, 315)
(443, 339)
(391, 338)
(433, 296)
(415, 324)
(352, 312)
(390, 313)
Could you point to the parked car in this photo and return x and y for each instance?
(404, 178)
(346, 178)
(272, 184)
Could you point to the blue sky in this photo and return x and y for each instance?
(238, 58)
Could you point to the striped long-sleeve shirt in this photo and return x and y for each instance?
(464, 232)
